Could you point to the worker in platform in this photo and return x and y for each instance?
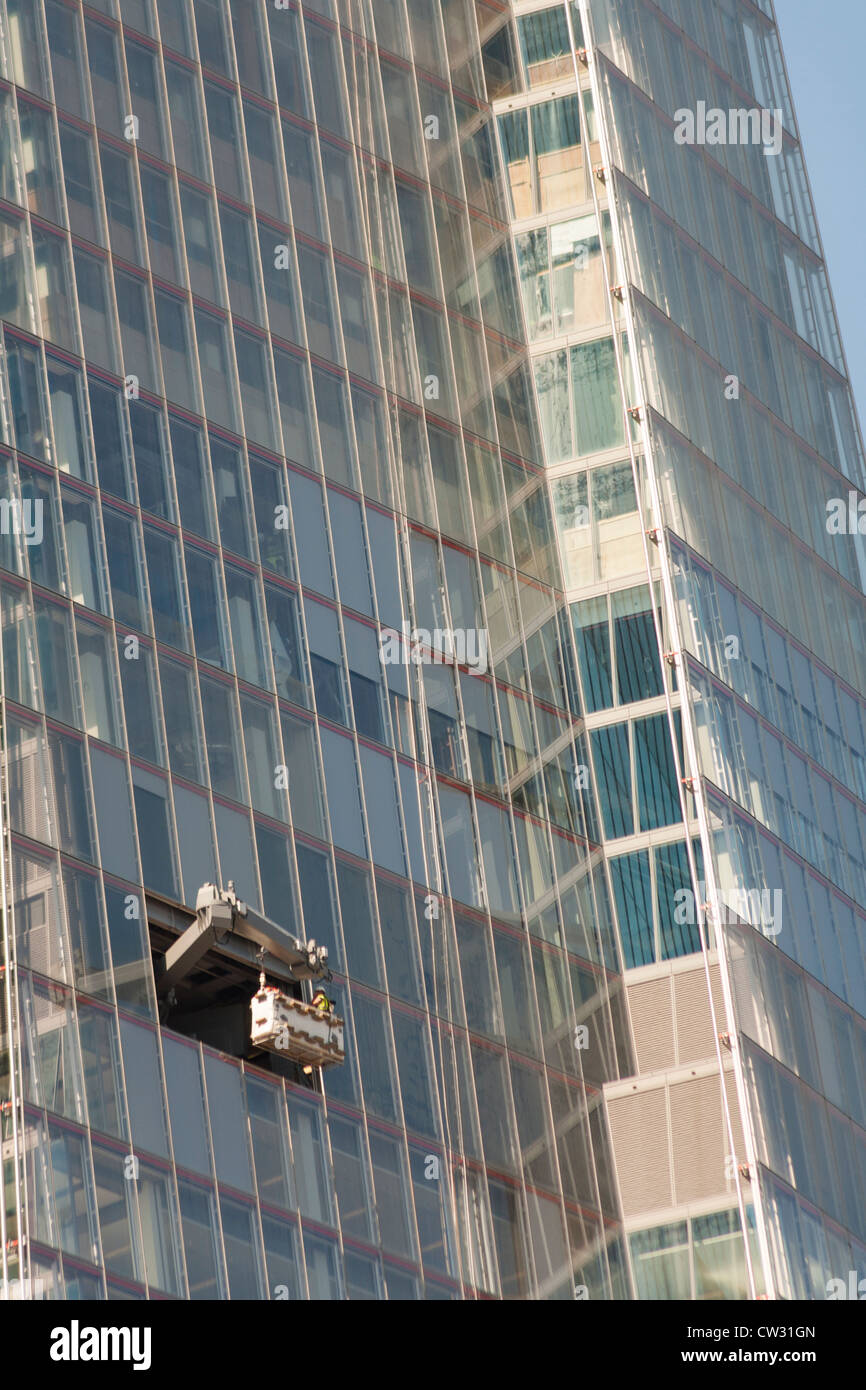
(322, 1004)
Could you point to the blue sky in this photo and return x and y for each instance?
(824, 45)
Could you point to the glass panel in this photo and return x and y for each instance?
(51, 1065)
(228, 1123)
(638, 667)
(303, 180)
(181, 718)
(245, 26)
(660, 1259)
(144, 1088)
(187, 124)
(113, 814)
(392, 1200)
(262, 761)
(270, 500)
(243, 1261)
(141, 67)
(270, 1151)
(27, 61)
(164, 580)
(73, 1194)
(211, 38)
(135, 334)
(374, 1055)
(288, 69)
(309, 518)
(311, 1179)
(130, 953)
(213, 364)
(238, 254)
(221, 729)
(233, 510)
(545, 46)
(150, 462)
(97, 682)
(155, 835)
(186, 1105)
(200, 238)
(106, 416)
(358, 926)
(342, 792)
(27, 395)
(286, 644)
(261, 145)
(198, 860)
(282, 1257)
(81, 197)
(295, 411)
(305, 787)
(64, 42)
(81, 549)
(201, 1242)
(658, 797)
(159, 1228)
(254, 373)
(172, 318)
(315, 272)
(159, 221)
(64, 391)
(86, 919)
(224, 140)
(120, 204)
(115, 1200)
(174, 24)
(323, 1268)
(100, 1053)
(124, 568)
(347, 1146)
(192, 479)
(633, 893)
(597, 408)
(205, 606)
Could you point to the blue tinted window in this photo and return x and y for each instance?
(633, 893)
(613, 771)
(638, 669)
(678, 937)
(106, 418)
(205, 606)
(658, 790)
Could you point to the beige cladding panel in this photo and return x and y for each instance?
(736, 1118)
(639, 1138)
(652, 1023)
(698, 1144)
(670, 1144)
(694, 1022)
(672, 1020)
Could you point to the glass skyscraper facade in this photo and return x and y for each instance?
(431, 504)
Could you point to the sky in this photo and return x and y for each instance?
(824, 44)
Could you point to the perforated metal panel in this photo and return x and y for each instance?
(672, 1020)
(698, 1143)
(652, 1022)
(639, 1134)
(694, 1031)
(671, 1144)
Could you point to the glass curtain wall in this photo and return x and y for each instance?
(758, 458)
(266, 402)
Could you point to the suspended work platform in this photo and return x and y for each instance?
(205, 980)
(295, 1030)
